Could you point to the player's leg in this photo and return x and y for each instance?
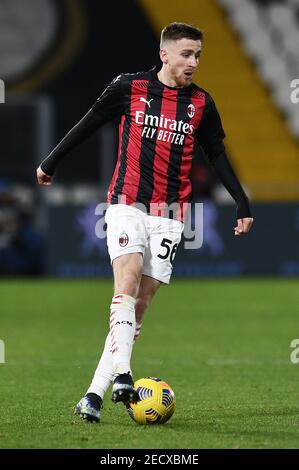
(163, 238)
(127, 270)
(157, 268)
(116, 356)
(124, 282)
(123, 386)
(147, 289)
(104, 372)
(126, 240)
(90, 404)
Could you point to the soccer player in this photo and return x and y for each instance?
(161, 114)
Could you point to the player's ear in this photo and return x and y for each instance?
(164, 56)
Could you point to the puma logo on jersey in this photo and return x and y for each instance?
(147, 102)
(116, 79)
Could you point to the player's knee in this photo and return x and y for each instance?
(128, 284)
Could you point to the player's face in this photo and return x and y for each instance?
(180, 59)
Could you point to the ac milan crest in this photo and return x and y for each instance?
(191, 110)
(123, 239)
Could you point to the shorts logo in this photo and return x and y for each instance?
(123, 239)
(191, 110)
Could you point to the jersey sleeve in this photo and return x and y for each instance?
(110, 104)
(210, 133)
(107, 107)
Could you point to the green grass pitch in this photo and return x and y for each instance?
(223, 345)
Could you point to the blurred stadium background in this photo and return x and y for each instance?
(56, 58)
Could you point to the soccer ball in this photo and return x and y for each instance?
(157, 402)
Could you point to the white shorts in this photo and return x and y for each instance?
(129, 230)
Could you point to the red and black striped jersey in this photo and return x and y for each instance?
(158, 126)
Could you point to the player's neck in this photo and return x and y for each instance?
(166, 79)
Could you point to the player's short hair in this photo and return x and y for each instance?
(175, 31)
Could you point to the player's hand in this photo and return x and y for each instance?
(244, 225)
(42, 178)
